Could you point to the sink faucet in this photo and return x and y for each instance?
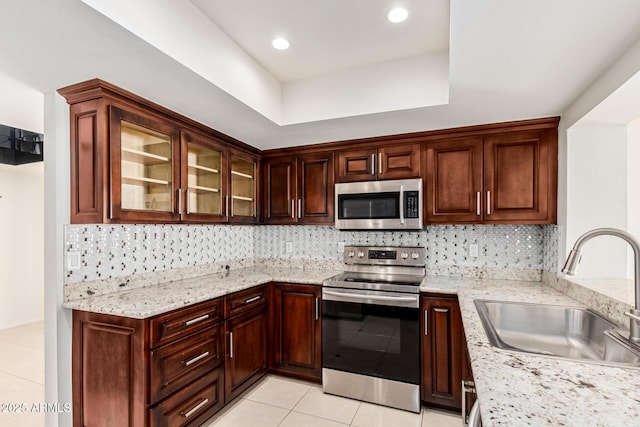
(574, 258)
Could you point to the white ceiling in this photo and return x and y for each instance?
(331, 35)
(507, 61)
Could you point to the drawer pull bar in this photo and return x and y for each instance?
(250, 300)
(195, 359)
(196, 320)
(231, 345)
(195, 409)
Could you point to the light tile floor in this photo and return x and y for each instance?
(283, 402)
(21, 375)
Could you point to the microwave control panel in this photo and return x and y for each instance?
(411, 204)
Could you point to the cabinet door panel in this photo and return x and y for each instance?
(441, 352)
(399, 162)
(454, 181)
(246, 357)
(279, 190)
(145, 167)
(356, 165)
(520, 173)
(316, 183)
(243, 188)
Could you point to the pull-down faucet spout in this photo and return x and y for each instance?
(574, 258)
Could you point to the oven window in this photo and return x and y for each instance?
(374, 340)
(369, 205)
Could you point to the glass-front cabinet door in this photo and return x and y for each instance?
(243, 187)
(144, 165)
(203, 179)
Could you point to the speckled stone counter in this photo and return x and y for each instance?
(528, 390)
(152, 300)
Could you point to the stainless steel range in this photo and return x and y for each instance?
(370, 326)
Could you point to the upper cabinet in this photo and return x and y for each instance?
(502, 178)
(135, 162)
(298, 189)
(385, 162)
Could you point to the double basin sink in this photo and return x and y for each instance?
(573, 333)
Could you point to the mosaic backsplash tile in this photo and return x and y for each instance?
(112, 251)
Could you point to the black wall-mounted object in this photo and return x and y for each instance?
(19, 146)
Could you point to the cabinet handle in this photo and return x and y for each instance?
(250, 300)
(195, 359)
(467, 387)
(299, 208)
(232, 201)
(426, 322)
(226, 209)
(231, 345)
(293, 208)
(186, 196)
(179, 201)
(478, 203)
(194, 409)
(317, 308)
(373, 164)
(380, 162)
(196, 320)
(488, 202)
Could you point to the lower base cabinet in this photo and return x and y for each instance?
(442, 342)
(296, 331)
(175, 369)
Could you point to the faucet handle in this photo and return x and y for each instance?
(632, 316)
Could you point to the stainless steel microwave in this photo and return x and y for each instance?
(379, 205)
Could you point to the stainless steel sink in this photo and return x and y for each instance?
(575, 333)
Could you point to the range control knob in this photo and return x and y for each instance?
(351, 254)
(415, 255)
(360, 254)
(404, 255)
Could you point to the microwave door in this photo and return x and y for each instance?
(369, 206)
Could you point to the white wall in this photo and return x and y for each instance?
(21, 213)
(21, 244)
(633, 187)
(20, 105)
(397, 85)
(597, 196)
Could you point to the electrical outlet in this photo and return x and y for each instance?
(289, 247)
(473, 250)
(73, 260)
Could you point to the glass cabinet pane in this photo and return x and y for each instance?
(203, 180)
(146, 169)
(242, 187)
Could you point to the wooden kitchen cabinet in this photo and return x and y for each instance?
(134, 372)
(299, 189)
(296, 331)
(506, 178)
(385, 162)
(246, 355)
(442, 344)
(133, 161)
(468, 384)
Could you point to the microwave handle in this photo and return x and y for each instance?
(402, 204)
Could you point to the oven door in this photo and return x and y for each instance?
(371, 333)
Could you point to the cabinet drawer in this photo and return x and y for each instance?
(241, 301)
(177, 364)
(180, 323)
(192, 405)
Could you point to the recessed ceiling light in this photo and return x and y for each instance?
(397, 14)
(280, 43)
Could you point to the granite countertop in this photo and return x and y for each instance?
(144, 302)
(528, 390)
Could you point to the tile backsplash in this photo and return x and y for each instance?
(111, 251)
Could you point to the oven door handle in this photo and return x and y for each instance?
(370, 297)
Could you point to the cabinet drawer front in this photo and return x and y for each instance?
(179, 363)
(180, 323)
(241, 301)
(193, 404)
